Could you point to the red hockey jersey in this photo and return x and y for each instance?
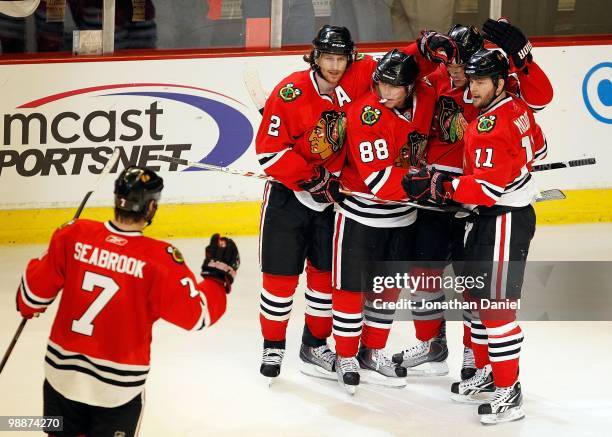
(500, 147)
(115, 285)
(302, 128)
(454, 111)
(380, 144)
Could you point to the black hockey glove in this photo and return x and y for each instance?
(222, 260)
(437, 47)
(510, 39)
(426, 186)
(324, 187)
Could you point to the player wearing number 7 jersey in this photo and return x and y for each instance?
(115, 284)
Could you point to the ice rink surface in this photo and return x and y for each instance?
(208, 383)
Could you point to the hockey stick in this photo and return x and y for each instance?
(254, 87)
(229, 170)
(270, 178)
(373, 198)
(553, 194)
(105, 170)
(564, 164)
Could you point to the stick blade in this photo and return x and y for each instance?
(551, 195)
(254, 87)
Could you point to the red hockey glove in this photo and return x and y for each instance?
(324, 187)
(26, 311)
(222, 260)
(437, 47)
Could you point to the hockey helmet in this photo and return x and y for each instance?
(333, 39)
(468, 40)
(136, 187)
(490, 63)
(396, 68)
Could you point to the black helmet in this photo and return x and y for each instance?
(396, 68)
(135, 188)
(468, 40)
(333, 39)
(488, 63)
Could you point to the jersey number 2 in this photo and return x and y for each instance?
(109, 287)
(275, 123)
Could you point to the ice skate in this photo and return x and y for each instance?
(426, 358)
(347, 370)
(378, 369)
(475, 390)
(271, 363)
(468, 367)
(505, 405)
(319, 362)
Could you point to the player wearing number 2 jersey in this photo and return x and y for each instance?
(115, 283)
(300, 143)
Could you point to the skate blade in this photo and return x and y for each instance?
(507, 416)
(480, 398)
(372, 377)
(317, 371)
(429, 369)
(350, 389)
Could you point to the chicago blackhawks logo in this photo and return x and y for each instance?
(289, 93)
(412, 153)
(417, 142)
(176, 254)
(486, 123)
(450, 120)
(370, 115)
(359, 56)
(403, 159)
(328, 135)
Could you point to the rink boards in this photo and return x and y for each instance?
(61, 120)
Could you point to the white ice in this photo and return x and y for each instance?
(208, 383)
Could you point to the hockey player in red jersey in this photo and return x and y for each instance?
(439, 237)
(300, 144)
(500, 147)
(115, 284)
(386, 129)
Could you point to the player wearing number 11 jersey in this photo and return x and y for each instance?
(500, 147)
(115, 284)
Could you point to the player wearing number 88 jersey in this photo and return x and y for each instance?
(300, 143)
(387, 128)
(115, 284)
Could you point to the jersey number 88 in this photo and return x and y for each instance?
(379, 150)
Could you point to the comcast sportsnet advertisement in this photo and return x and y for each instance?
(60, 122)
(58, 134)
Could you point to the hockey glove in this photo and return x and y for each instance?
(324, 187)
(510, 39)
(426, 186)
(437, 47)
(222, 260)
